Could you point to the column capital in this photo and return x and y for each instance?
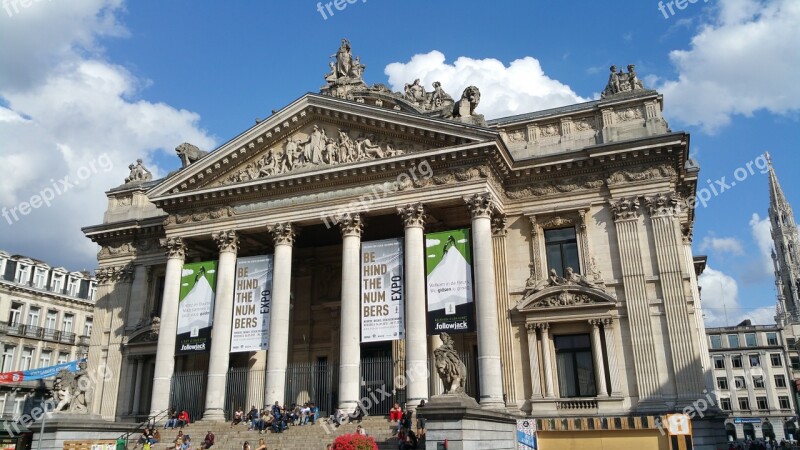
(413, 215)
(544, 326)
(625, 208)
(663, 204)
(114, 274)
(595, 323)
(175, 247)
(608, 323)
(351, 224)
(531, 326)
(480, 205)
(499, 224)
(282, 233)
(227, 241)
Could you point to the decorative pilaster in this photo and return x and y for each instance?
(685, 354)
(611, 352)
(597, 354)
(219, 356)
(490, 370)
(349, 343)
(533, 357)
(137, 385)
(507, 347)
(547, 361)
(626, 219)
(586, 255)
(278, 355)
(165, 353)
(535, 265)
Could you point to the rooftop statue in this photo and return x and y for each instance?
(619, 82)
(464, 109)
(138, 173)
(189, 153)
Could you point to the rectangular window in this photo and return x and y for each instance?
(733, 340)
(780, 381)
(92, 291)
(758, 381)
(57, 285)
(775, 359)
(23, 274)
(772, 338)
(87, 327)
(736, 361)
(15, 314)
(739, 383)
(719, 362)
(72, 287)
(722, 383)
(561, 246)
(761, 402)
(39, 278)
(62, 358)
(716, 341)
(45, 358)
(795, 362)
(8, 358)
(67, 328)
(575, 366)
(50, 320)
(33, 317)
(744, 403)
(790, 343)
(750, 339)
(26, 359)
(783, 401)
(725, 404)
(755, 361)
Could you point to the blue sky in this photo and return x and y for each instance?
(126, 80)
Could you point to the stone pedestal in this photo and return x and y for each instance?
(461, 421)
(61, 427)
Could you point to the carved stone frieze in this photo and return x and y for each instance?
(413, 215)
(282, 233)
(544, 188)
(480, 205)
(227, 241)
(642, 173)
(114, 274)
(628, 114)
(558, 221)
(563, 298)
(199, 215)
(626, 208)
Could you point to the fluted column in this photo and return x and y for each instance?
(663, 209)
(507, 344)
(547, 361)
(611, 350)
(490, 370)
(349, 342)
(165, 353)
(219, 357)
(436, 385)
(626, 219)
(533, 357)
(416, 334)
(278, 353)
(599, 364)
(137, 385)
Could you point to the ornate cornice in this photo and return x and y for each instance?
(480, 205)
(626, 208)
(413, 215)
(282, 233)
(351, 224)
(544, 188)
(499, 224)
(663, 204)
(127, 248)
(115, 274)
(199, 215)
(642, 173)
(227, 241)
(175, 247)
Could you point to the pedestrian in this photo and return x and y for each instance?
(262, 445)
(208, 441)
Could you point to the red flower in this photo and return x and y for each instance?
(354, 442)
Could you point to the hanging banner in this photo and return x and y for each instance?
(448, 264)
(196, 310)
(252, 301)
(382, 293)
(40, 373)
(526, 434)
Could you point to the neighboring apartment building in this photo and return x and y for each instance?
(753, 375)
(46, 318)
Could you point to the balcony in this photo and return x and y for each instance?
(577, 404)
(33, 332)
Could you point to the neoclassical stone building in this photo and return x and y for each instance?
(586, 300)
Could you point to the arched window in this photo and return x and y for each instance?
(766, 430)
(790, 431)
(749, 432)
(730, 431)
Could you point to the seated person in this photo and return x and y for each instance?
(237, 416)
(183, 419)
(172, 419)
(338, 417)
(396, 413)
(253, 417)
(305, 413)
(208, 441)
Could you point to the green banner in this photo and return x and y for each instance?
(196, 309)
(448, 265)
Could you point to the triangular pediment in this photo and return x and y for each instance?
(315, 134)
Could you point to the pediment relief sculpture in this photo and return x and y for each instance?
(557, 292)
(318, 146)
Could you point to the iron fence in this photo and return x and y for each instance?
(188, 391)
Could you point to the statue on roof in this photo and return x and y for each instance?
(619, 82)
(138, 173)
(344, 57)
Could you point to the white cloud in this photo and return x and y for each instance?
(520, 87)
(763, 236)
(66, 107)
(744, 61)
(720, 299)
(722, 245)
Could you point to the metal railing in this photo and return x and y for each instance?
(188, 392)
(148, 423)
(32, 331)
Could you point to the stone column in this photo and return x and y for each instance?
(256, 376)
(611, 351)
(219, 356)
(278, 353)
(547, 361)
(436, 385)
(597, 354)
(137, 385)
(350, 331)
(626, 220)
(416, 334)
(489, 367)
(165, 352)
(533, 357)
(508, 346)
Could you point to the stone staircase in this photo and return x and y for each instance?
(306, 437)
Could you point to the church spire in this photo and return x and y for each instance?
(785, 255)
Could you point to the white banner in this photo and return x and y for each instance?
(252, 299)
(382, 293)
